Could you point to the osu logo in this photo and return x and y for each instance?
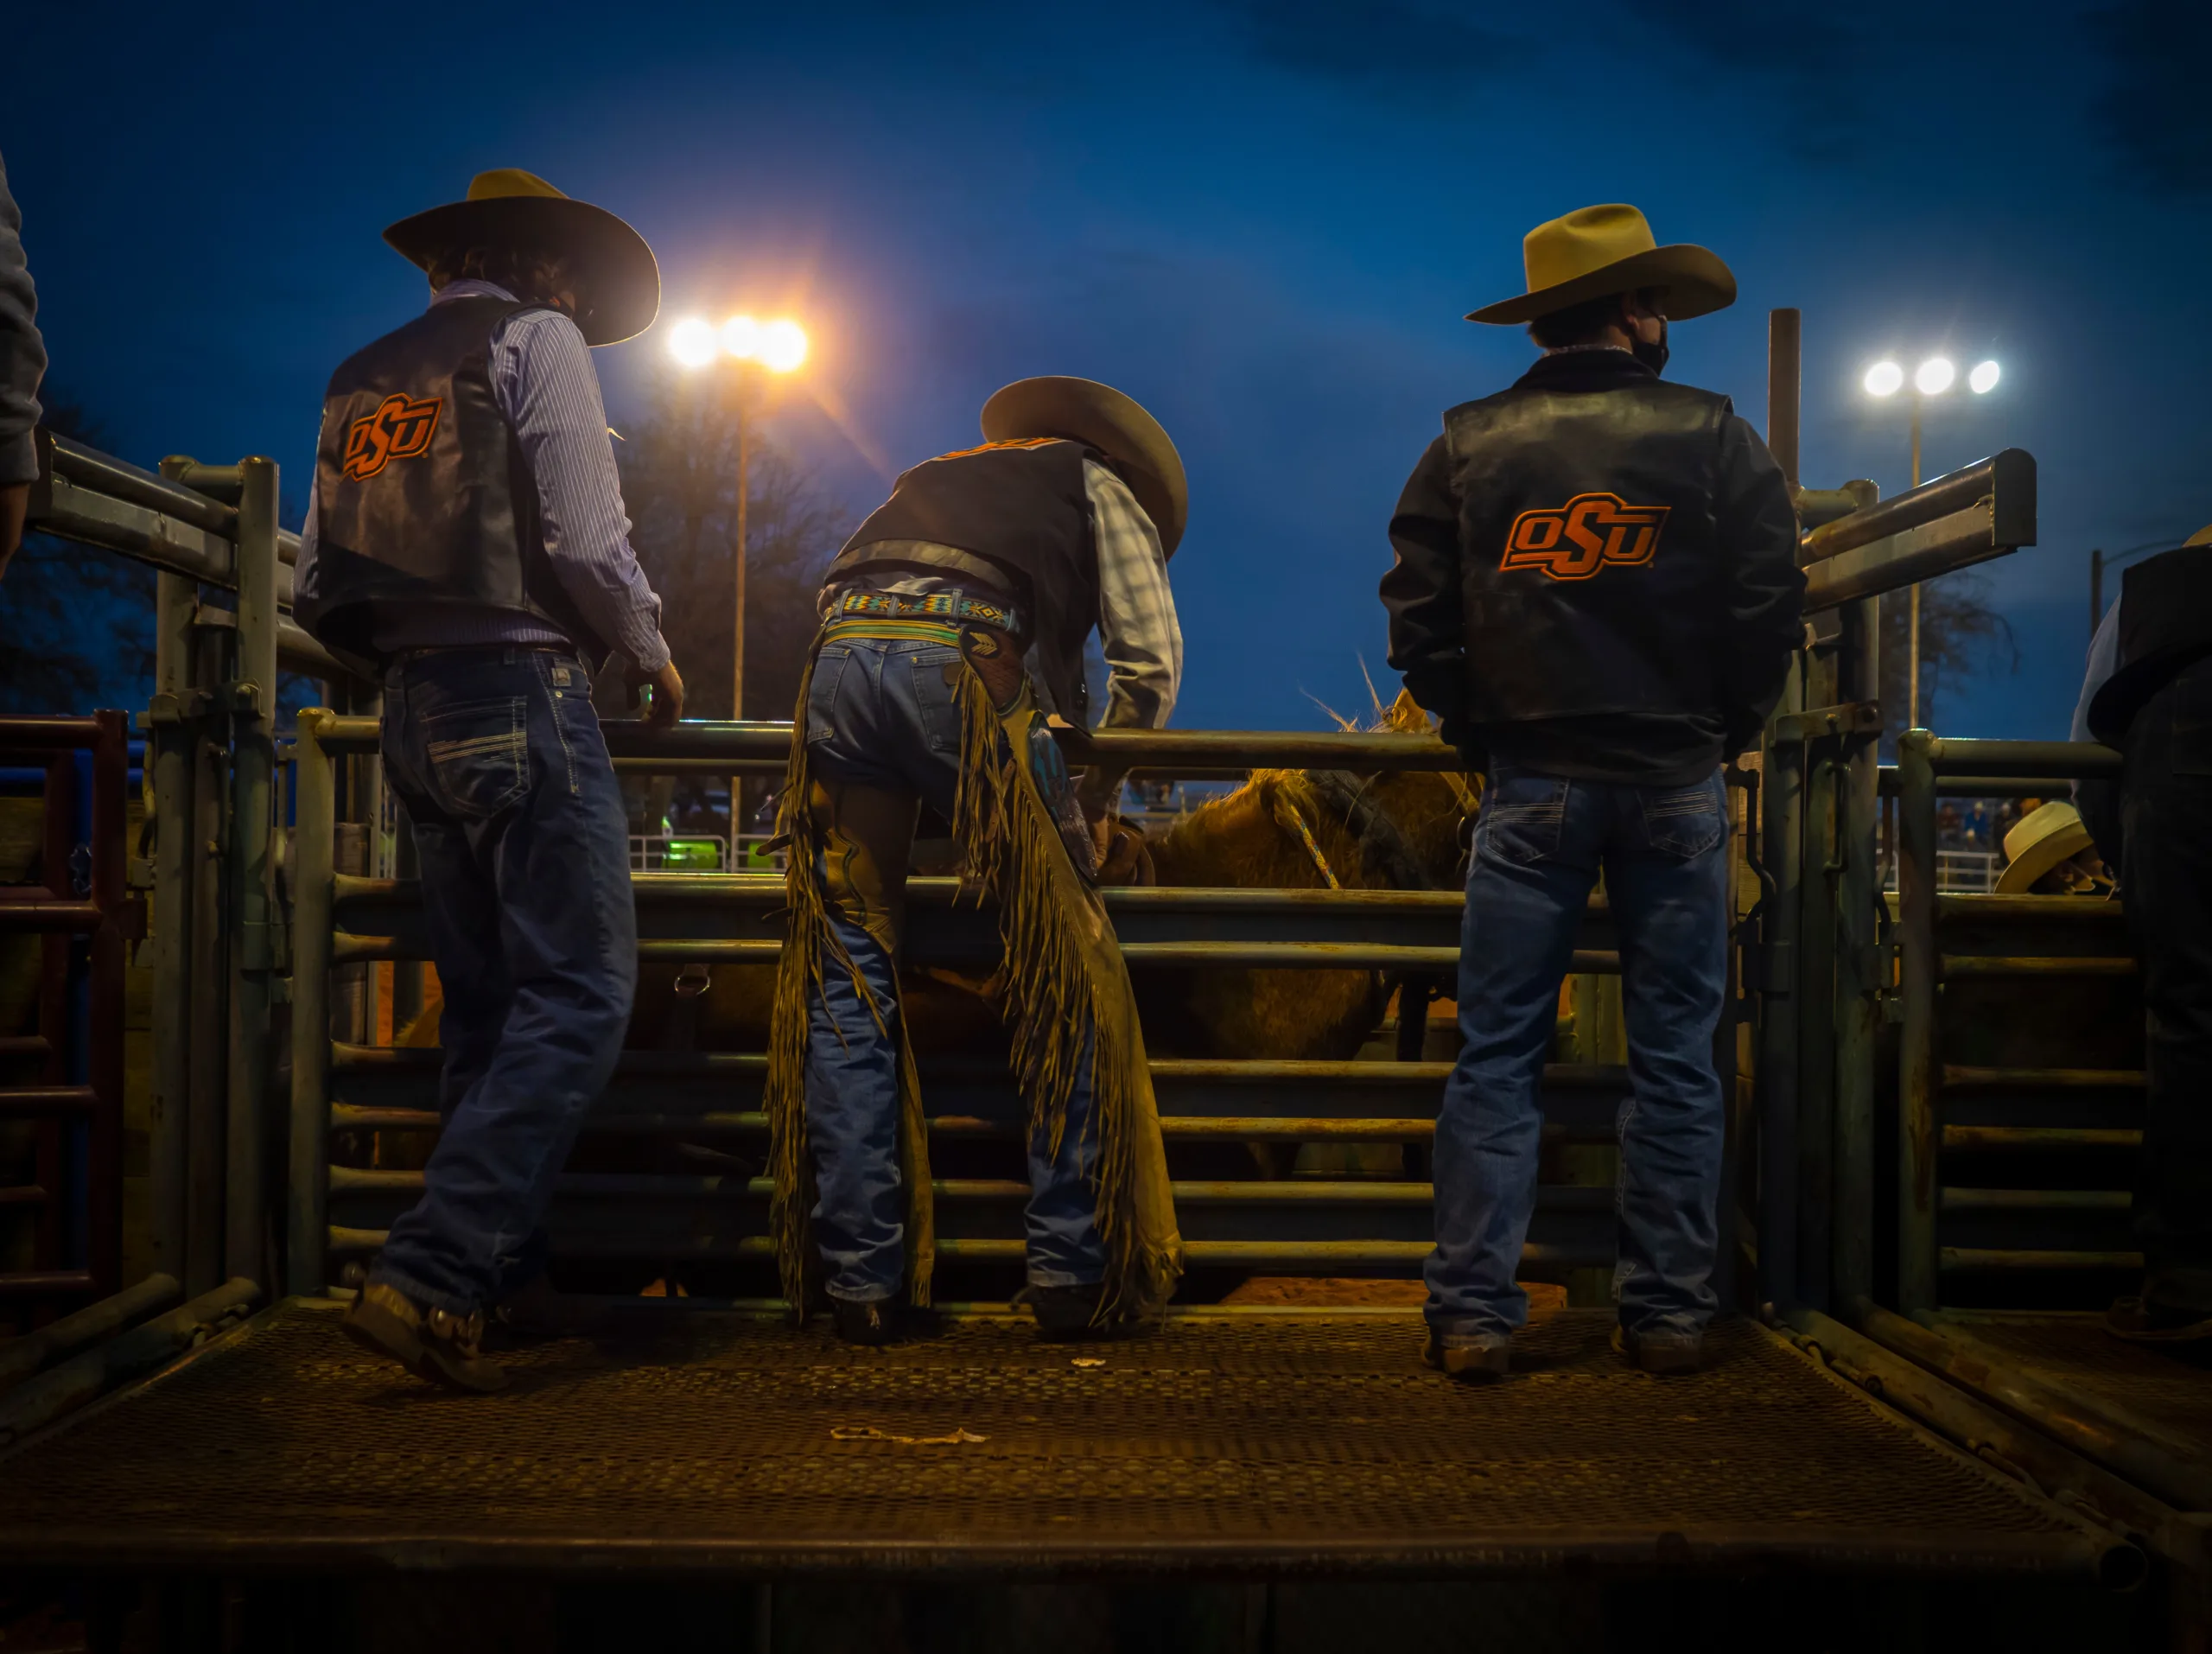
(400, 428)
(1590, 531)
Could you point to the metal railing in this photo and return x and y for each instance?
(75, 1100)
(2007, 1104)
(1281, 1226)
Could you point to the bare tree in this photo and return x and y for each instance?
(679, 480)
(1961, 635)
(76, 622)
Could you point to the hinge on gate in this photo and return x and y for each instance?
(246, 698)
(1819, 724)
(173, 706)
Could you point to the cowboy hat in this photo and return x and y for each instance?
(617, 284)
(1596, 252)
(1086, 412)
(2038, 843)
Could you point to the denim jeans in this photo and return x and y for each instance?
(1539, 846)
(881, 713)
(524, 845)
(2166, 886)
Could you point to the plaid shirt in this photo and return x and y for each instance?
(1138, 633)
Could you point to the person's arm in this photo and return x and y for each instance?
(1765, 587)
(2099, 799)
(2104, 660)
(1421, 592)
(1138, 633)
(543, 379)
(23, 365)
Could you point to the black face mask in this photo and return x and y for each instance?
(1652, 356)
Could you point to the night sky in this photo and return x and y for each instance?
(1262, 218)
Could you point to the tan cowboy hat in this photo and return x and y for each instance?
(1086, 412)
(2038, 843)
(1595, 252)
(2202, 536)
(618, 282)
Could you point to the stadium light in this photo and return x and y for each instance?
(1983, 379)
(1884, 379)
(1935, 376)
(692, 342)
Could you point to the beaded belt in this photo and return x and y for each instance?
(936, 618)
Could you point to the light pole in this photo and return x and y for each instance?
(1931, 378)
(772, 347)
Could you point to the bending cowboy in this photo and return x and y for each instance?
(467, 535)
(919, 692)
(1597, 591)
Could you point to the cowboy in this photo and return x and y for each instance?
(466, 538)
(2149, 693)
(1597, 592)
(954, 624)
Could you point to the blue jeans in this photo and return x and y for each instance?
(1539, 845)
(523, 843)
(880, 714)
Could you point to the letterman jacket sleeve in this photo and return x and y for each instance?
(1765, 589)
(1421, 592)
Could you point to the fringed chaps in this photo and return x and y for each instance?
(1065, 989)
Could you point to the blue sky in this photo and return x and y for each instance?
(1262, 218)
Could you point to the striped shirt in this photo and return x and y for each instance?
(546, 386)
(1138, 633)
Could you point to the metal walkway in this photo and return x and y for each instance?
(1263, 1445)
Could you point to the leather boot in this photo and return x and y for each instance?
(434, 1344)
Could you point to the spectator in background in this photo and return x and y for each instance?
(23, 365)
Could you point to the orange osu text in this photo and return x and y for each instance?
(1590, 532)
(400, 428)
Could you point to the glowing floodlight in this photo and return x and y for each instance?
(783, 345)
(1983, 379)
(741, 338)
(1884, 379)
(1934, 375)
(692, 342)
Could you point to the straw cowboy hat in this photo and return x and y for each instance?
(1595, 252)
(2038, 843)
(617, 284)
(1086, 412)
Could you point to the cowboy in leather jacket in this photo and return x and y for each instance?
(1597, 570)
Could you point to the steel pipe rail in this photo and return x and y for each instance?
(720, 744)
(2006, 481)
(1987, 510)
(2165, 1465)
(95, 498)
(1990, 1434)
(1977, 943)
(21, 1357)
(2048, 760)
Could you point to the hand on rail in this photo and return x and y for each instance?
(667, 685)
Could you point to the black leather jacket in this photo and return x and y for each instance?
(1597, 576)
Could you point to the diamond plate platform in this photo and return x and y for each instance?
(2170, 1386)
(1257, 1445)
